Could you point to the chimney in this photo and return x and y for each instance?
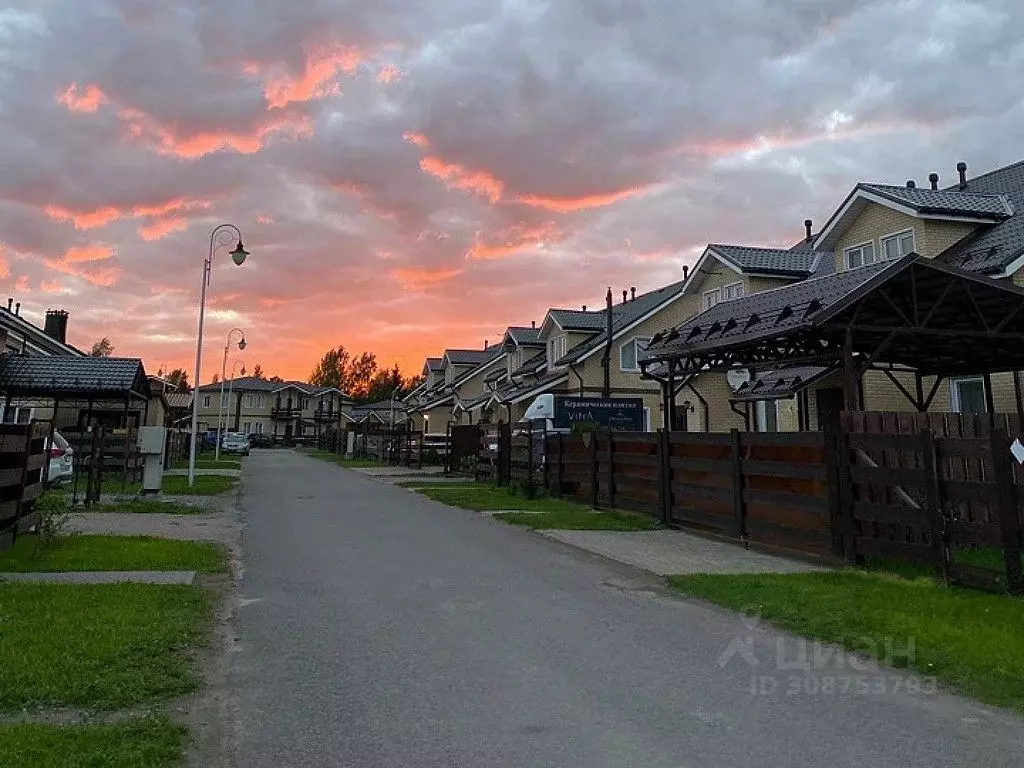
(808, 224)
(10, 303)
(56, 326)
(485, 344)
(625, 293)
(686, 271)
(17, 308)
(911, 184)
(934, 179)
(584, 307)
(632, 293)
(533, 323)
(961, 168)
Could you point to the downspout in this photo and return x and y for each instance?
(572, 367)
(607, 390)
(744, 413)
(704, 403)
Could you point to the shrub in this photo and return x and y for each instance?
(54, 510)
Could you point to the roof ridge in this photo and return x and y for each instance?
(751, 247)
(955, 187)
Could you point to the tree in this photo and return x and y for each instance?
(276, 379)
(339, 369)
(384, 384)
(215, 379)
(102, 348)
(179, 378)
(257, 372)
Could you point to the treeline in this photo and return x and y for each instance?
(360, 376)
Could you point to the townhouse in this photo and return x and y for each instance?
(281, 410)
(968, 234)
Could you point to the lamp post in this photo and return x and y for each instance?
(224, 375)
(231, 383)
(222, 235)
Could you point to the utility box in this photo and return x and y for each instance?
(152, 441)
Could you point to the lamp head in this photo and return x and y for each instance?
(238, 255)
(241, 344)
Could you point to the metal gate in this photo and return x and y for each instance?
(463, 443)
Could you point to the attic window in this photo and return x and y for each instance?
(897, 245)
(725, 293)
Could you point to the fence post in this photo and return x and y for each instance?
(846, 526)
(1002, 473)
(593, 469)
(665, 475)
(611, 470)
(739, 508)
(933, 504)
(560, 472)
(834, 488)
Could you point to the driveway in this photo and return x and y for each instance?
(378, 628)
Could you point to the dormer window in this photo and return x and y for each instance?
(725, 293)
(630, 354)
(897, 245)
(556, 349)
(859, 255)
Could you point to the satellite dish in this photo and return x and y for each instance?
(737, 377)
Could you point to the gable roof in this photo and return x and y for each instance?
(46, 376)
(432, 364)
(798, 261)
(624, 316)
(994, 249)
(576, 319)
(179, 399)
(781, 383)
(253, 384)
(471, 356)
(524, 336)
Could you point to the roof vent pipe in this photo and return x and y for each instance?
(807, 228)
(632, 293)
(533, 323)
(625, 293)
(584, 307)
(934, 179)
(911, 184)
(961, 168)
(686, 271)
(17, 308)
(10, 303)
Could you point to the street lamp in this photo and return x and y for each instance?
(224, 375)
(222, 235)
(231, 383)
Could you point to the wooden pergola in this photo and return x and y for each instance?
(913, 315)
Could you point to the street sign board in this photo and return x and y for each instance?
(625, 414)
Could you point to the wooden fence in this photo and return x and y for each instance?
(770, 489)
(121, 459)
(23, 459)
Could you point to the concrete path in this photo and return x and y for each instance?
(378, 628)
(221, 527)
(668, 552)
(404, 473)
(212, 472)
(105, 577)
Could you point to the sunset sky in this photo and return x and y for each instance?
(416, 174)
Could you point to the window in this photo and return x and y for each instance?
(767, 413)
(631, 352)
(247, 427)
(897, 245)
(305, 403)
(859, 255)
(967, 395)
(17, 414)
(206, 401)
(556, 349)
(259, 427)
(725, 293)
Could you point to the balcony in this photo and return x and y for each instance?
(284, 413)
(326, 416)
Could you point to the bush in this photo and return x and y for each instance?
(54, 510)
(431, 456)
(468, 466)
(585, 426)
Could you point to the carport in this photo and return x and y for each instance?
(912, 315)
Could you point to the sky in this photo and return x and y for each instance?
(411, 175)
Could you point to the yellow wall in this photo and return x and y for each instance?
(931, 237)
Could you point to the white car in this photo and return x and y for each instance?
(62, 464)
(234, 442)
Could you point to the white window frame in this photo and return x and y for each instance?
(860, 247)
(557, 346)
(647, 419)
(954, 392)
(247, 427)
(761, 415)
(207, 399)
(898, 237)
(259, 427)
(633, 343)
(718, 295)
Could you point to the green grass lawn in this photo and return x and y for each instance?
(147, 743)
(111, 553)
(582, 520)
(101, 647)
(205, 485)
(208, 462)
(142, 506)
(972, 641)
(341, 461)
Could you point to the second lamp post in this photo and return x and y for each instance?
(223, 375)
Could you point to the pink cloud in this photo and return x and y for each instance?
(88, 99)
(317, 80)
(456, 176)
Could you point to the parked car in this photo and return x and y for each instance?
(260, 440)
(62, 464)
(235, 442)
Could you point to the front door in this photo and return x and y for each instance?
(831, 402)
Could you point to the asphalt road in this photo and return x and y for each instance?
(377, 628)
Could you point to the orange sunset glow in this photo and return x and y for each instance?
(425, 175)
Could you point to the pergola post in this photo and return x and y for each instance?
(1019, 398)
(919, 387)
(990, 404)
(851, 378)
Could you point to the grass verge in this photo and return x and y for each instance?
(341, 461)
(152, 742)
(210, 463)
(205, 485)
(482, 496)
(150, 507)
(581, 520)
(969, 640)
(107, 646)
(31, 554)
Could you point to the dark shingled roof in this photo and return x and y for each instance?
(769, 261)
(781, 383)
(179, 399)
(253, 384)
(624, 314)
(471, 356)
(951, 201)
(578, 320)
(770, 311)
(72, 376)
(991, 248)
(433, 364)
(531, 365)
(525, 336)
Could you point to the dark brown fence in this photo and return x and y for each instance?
(23, 459)
(770, 489)
(120, 454)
